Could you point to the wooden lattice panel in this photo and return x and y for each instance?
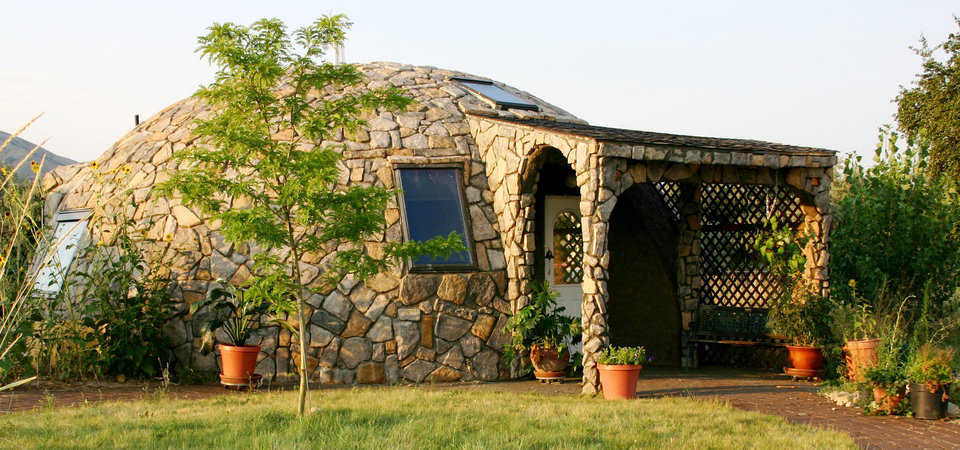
(733, 215)
(567, 249)
(670, 193)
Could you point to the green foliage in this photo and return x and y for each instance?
(20, 228)
(18, 232)
(892, 351)
(126, 305)
(854, 321)
(897, 231)
(930, 365)
(264, 147)
(619, 356)
(541, 322)
(238, 311)
(928, 110)
(781, 248)
(797, 311)
(805, 317)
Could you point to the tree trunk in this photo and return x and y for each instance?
(304, 375)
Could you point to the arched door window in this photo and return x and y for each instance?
(567, 249)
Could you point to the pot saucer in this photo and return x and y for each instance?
(547, 377)
(240, 382)
(803, 373)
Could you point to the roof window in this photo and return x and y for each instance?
(495, 94)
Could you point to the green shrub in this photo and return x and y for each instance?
(127, 306)
(797, 310)
(896, 228)
(931, 365)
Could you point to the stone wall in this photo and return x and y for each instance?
(604, 171)
(394, 327)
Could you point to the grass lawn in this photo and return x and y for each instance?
(408, 418)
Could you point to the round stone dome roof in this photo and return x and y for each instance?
(435, 125)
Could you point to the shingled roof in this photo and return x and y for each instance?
(636, 137)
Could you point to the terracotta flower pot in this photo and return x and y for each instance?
(887, 401)
(619, 381)
(238, 362)
(928, 403)
(806, 358)
(860, 355)
(547, 363)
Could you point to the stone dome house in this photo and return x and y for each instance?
(639, 232)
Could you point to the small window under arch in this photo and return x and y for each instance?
(567, 249)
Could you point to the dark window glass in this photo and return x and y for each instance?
(434, 207)
(499, 96)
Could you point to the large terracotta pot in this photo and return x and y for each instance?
(547, 363)
(860, 355)
(238, 363)
(619, 381)
(806, 358)
(888, 401)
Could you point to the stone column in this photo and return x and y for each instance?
(599, 183)
(817, 220)
(689, 274)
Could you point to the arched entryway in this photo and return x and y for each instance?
(643, 308)
(558, 238)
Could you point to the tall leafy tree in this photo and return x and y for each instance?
(262, 146)
(929, 109)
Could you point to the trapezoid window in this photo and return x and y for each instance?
(490, 92)
(61, 251)
(433, 206)
(567, 249)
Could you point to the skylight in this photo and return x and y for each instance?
(496, 94)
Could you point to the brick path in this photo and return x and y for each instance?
(798, 402)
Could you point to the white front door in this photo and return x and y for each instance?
(563, 262)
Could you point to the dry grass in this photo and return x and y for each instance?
(409, 418)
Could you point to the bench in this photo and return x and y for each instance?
(738, 328)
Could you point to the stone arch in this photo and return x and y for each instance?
(530, 175)
(644, 308)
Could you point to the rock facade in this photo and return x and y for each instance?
(394, 327)
(415, 327)
(604, 170)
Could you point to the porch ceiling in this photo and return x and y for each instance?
(646, 145)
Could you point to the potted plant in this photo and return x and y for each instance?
(857, 325)
(541, 330)
(887, 383)
(799, 312)
(238, 312)
(805, 319)
(929, 372)
(619, 369)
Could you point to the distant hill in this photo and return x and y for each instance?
(18, 148)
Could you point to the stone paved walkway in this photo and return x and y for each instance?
(798, 402)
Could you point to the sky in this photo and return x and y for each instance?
(814, 73)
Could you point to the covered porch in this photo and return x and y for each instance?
(666, 223)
